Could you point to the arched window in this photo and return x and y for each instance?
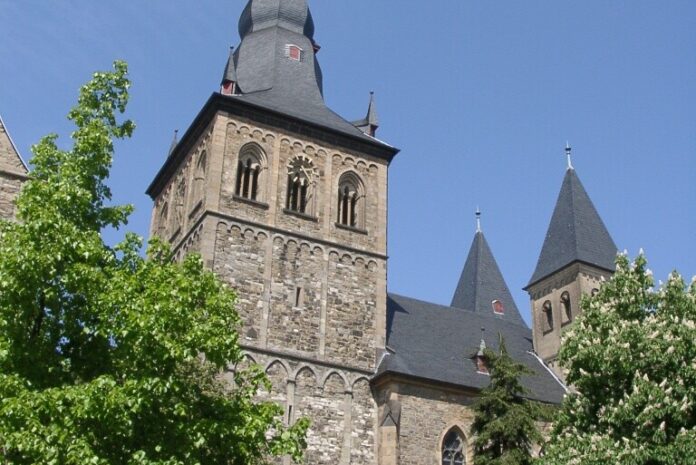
(199, 179)
(249, 172)
(547, 310)
(454, 448)
(179, 203)
(351, 201)
(300, 185)
(567, 308)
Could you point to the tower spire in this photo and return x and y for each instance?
(569, 153)
(478, 220)
(370, 123)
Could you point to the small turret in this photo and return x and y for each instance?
(370, 123)
(229, 77)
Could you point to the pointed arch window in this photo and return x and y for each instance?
(250, 169)
(454, 448)
(567, 307)
(300, 195)
(351, 201)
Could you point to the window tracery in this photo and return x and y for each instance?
(454, 448)
(351, 201)
(300, 193)
(250, 172)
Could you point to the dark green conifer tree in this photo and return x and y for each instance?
(504, 426)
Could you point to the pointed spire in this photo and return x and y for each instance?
(569, 153)
(370, 123)
(482, 288)
(175, 142)
(576, 233)
(10, 160)
(229, 77)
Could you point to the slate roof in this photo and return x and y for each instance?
(10, 159)
(437, 343)
(481, 283)
(266, 77)
(576, 233)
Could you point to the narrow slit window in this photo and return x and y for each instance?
(299, 297)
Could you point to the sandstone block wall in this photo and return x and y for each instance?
(427, 415)
(577, 280)
(338, 402)
(9, 190)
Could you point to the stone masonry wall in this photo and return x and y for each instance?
(9, 190)
(338, 403)
(427, 414)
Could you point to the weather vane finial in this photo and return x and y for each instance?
(478, 219)
(569, 153)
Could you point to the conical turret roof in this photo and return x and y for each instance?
(482, 288)
(576, 233)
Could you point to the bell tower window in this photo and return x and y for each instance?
(567, 308)
(249, 172)
(351, 201)
(547, 313)
(300, 186)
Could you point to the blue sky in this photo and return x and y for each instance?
(481, 97)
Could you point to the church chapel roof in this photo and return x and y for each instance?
(481, 283)
(576, 233)
(267, 77)
(436, 343)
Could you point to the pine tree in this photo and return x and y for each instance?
(630, 358)
(504, 425)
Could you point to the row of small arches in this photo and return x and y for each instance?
(249, 233)
(292, 375)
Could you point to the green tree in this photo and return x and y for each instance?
(505, 422)
(630, 358)
(107, 358)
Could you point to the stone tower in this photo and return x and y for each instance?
(287, 202)
(578, 253)
(13, 172)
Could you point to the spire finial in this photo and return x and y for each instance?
(569, 153)
(478, 220)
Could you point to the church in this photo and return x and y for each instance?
(286, 201)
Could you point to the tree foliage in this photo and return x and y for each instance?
(105, 357)
(505, 422)
(631, 359)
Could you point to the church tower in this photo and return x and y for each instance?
(13, 172)
(577, 255)
(287, 202)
